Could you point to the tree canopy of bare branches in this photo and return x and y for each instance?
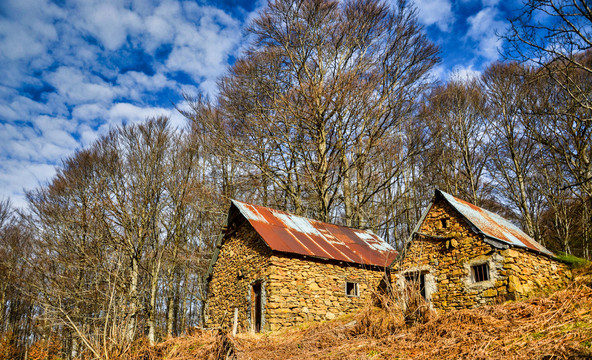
(317, 101)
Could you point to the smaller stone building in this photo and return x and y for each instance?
(463, 256)
(274, 270)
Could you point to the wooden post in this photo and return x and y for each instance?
(235, 322)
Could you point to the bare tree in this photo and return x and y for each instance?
(323, 87)
(78, 275)
(17, 312)
(516, 151)
(559, 123)
(455, 115)
(116, 232)
(553, 34)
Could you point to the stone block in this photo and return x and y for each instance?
(512, 267)
(514, 285)
(457, 272)
(490, 293)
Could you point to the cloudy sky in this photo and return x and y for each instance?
(69, 70)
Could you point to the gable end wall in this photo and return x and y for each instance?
(446, 261)
(243, 260)
(514, 273)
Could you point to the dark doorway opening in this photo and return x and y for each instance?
(256, 307)
(416, 281)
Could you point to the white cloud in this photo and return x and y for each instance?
(18, 108)
(135, 84)
(203, 51)
(109, 22)
(438, 72)
(125, 113)
(17, 176)
(484, 28)
(438, 12)
(31, 28)
(118, 114)
(62, 83)
(76, 86)
(161, 25)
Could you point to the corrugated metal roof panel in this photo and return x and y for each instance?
(493, 225)
(290, 233)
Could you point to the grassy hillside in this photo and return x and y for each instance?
(554, 326)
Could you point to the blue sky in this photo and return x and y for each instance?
(72, 69)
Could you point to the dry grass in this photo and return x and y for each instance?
(200, 344)
(557, 326)
(554, 327)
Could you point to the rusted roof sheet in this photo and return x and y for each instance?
(494, 226)
(294, 234)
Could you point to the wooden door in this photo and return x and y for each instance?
(256, 307)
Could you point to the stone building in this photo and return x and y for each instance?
(274, 269)
(463, 256)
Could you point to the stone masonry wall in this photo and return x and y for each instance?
(446, 261)
(530, 273)
(446, 257)
(243, 259)
(296, 289)
(303, 290)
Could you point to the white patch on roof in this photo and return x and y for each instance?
(250, 212)
(380, 246)
(477, 217)
(330, 238)
(297, 223)
(502, 221)
(374, 241)
(514, 240)
(365, 235)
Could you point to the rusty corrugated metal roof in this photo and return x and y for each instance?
(494, 226)
(294, 234)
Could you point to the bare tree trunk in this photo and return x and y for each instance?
(152, 305)
(346, 182)
(170, 318)
(133, 299)
(320, 178)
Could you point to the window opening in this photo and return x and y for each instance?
(256, 309)
(444, 223)
(351, 289)
(416, 281)
(480, 272)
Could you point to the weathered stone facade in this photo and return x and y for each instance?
(295, 289)
(243, 260)
(302, 290)
(446, 247)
